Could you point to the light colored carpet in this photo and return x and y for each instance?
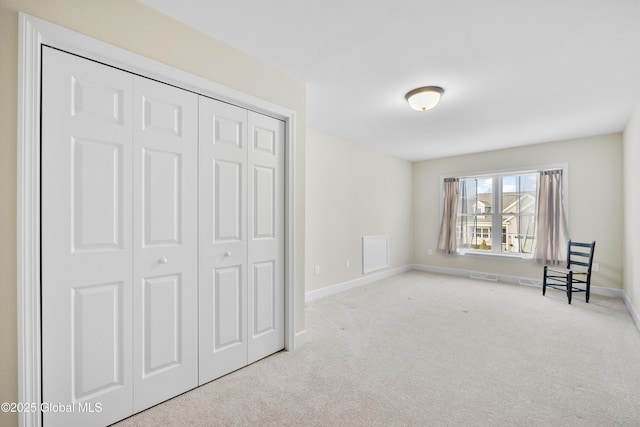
(425, 349)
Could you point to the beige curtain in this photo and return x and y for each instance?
(552, 234)
(447, 238)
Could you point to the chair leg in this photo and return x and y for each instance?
(569, 286)
(544, 281)
(588, 291)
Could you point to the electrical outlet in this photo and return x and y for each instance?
(348, 263)
(430, 252)
(595, 266)
(317, 270)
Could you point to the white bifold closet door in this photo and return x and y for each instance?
(119, 241)
(165, 242)
(241, 258)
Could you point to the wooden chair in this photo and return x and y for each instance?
(578, 271)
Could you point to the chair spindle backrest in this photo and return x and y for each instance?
(580, 254)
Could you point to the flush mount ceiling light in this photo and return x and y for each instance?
(424, 98)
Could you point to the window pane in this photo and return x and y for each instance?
(475, 213)
(466, 220)
(519, 233)
(519, 193)
(485, 187)
(484, 210)
(468, 195)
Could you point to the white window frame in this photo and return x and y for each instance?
(496, 250)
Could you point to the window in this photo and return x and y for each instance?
(483, 233)
(497, 214)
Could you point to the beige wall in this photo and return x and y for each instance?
(136, 28)
(353, 191)
(595, 202)
(632, 210)
(8, 135)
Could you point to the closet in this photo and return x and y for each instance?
(162, 240)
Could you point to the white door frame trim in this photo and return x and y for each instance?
(33, 34)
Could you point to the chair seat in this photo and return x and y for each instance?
(565, 271)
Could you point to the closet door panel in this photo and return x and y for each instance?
(86, 240)
(162, 198)
(223, 238)
(266, 236)
(165, 242)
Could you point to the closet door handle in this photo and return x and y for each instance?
(163, 260)
(227, 254)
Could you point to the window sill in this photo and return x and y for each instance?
(519, 257)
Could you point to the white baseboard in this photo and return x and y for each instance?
(632, 310)
(441, 270)
(300, 339)
(528, 281)
(361, 281)
(481, 275)
(607, 292)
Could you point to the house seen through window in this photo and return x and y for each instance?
(497, 214)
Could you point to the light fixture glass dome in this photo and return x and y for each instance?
(424, 98)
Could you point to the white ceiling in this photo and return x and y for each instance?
(514, 72)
